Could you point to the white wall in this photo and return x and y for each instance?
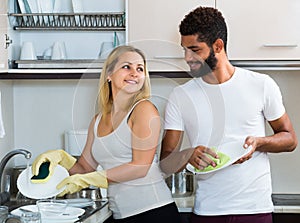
(45, 109)
(6, 143)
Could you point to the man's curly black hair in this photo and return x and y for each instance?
(207, 22)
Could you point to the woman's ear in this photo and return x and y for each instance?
(108, 79)
(218, 46)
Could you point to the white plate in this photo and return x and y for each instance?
(77, 6)
(33, 6)
(234, 150)
(41, 190)
(80, 202)
(71, 213)
(24, 8)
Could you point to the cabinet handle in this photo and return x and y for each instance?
(168, 57)
(7, 41)
(280, 45)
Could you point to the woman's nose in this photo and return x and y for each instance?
(134, 73)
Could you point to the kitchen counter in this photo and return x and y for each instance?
(186, 204)
(98, 216)
(97, 213)
(284, 204)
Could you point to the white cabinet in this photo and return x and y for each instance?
(262, 30)
(3, 39)
(153, 26)
(83, 31)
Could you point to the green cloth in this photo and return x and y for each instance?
(221, 161)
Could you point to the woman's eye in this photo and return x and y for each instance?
(126, 67)
(140, 69)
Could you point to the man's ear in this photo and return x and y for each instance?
(218, 46)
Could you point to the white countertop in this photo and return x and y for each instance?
(186, 204)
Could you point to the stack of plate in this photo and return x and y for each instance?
(71, 214)
(80, 202)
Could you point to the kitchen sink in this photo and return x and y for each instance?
(89, 210)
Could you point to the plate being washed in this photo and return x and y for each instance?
(41, 190)
(234, 150)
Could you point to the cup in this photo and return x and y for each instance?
(28, 51)
(106, 48)
(31, 217)
(3, 213)
(4, 216)
(51, 207)
(58, 51)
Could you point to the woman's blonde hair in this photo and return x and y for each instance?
(105, 99)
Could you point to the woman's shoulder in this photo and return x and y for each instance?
(145, 104)
(145, 108)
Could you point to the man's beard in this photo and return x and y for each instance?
(207, 66)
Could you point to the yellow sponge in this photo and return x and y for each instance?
(43, 175)
(223, 159)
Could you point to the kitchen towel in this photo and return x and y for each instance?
(2, 132)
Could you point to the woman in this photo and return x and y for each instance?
(122, 138)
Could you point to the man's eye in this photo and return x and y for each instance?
(196, 50)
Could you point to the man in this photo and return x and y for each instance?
(222, 104)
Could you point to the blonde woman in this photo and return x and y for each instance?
(123, 139)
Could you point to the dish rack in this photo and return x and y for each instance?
(69, 21)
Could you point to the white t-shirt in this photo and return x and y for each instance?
(214, 114)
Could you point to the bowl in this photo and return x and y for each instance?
(51, 207)
(181, 184)
(90, 193)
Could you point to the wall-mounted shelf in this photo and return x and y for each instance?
(69, 21)
(46, 74)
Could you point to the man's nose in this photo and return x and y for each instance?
(188, 55)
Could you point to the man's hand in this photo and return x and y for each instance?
(200, 159)
(250, 143)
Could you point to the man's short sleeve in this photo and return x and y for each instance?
(273, 104)
(173, 116)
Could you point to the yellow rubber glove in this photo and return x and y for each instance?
(55, 157)
(78, 182)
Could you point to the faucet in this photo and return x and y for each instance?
(7, 157)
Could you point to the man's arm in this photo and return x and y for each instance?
(173, 160)
(284, 138)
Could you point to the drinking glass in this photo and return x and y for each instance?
(4, 215)
(31, 217)
(28, 51)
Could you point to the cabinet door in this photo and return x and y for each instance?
(3, 49)
(262, 30)
(153, 26)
